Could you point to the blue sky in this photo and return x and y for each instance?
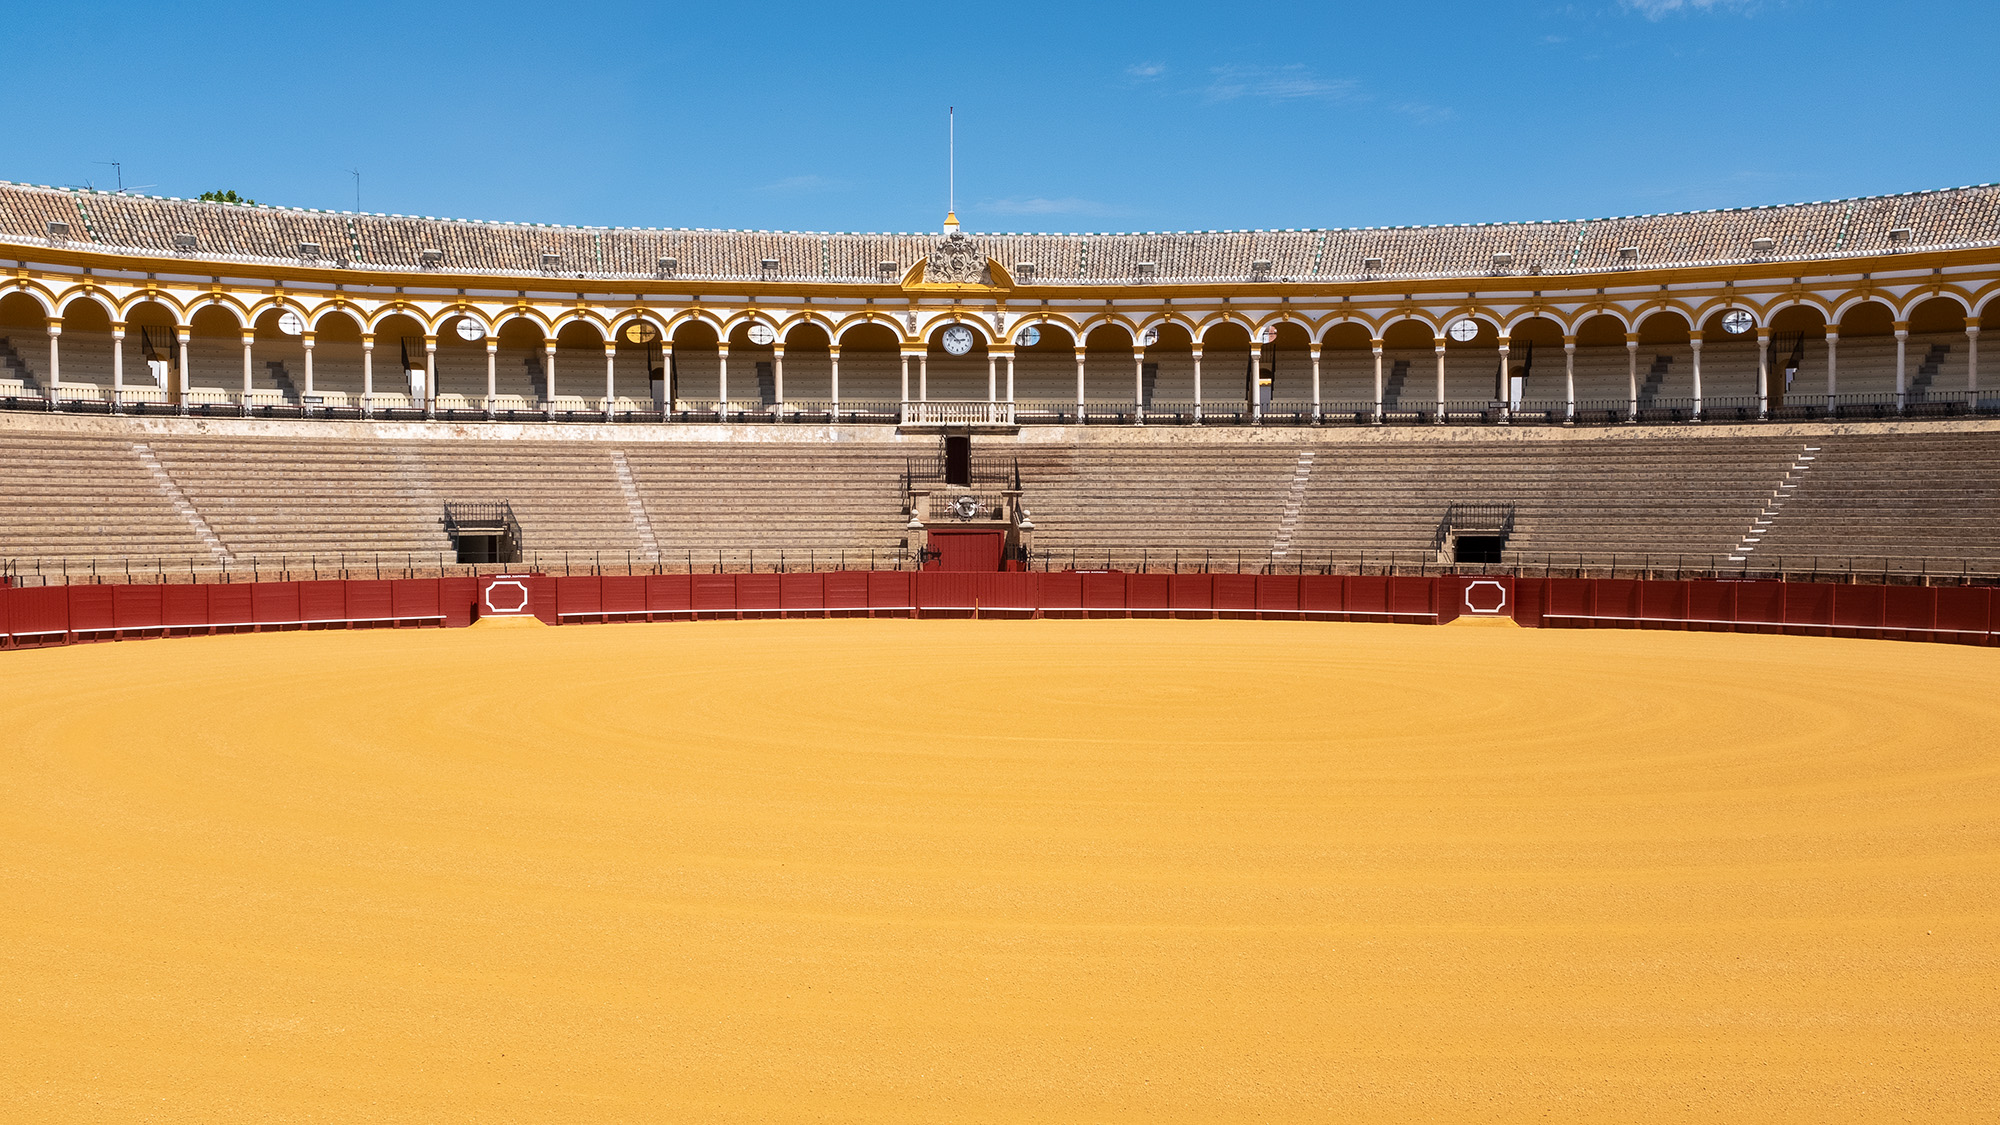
(1071, 117)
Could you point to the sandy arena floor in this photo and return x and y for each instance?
(1004, 872)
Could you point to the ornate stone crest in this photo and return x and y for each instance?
(957, 260)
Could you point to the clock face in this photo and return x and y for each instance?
(1736, 322)
(1463, 330)
(761, 334)
(291, 324)
(1028, 337)
(958, 339)
(471, 329)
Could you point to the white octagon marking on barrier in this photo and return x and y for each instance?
(1472, 606)
(519, 607)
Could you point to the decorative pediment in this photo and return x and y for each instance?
(957, 260)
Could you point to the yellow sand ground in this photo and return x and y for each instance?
(1001, 872)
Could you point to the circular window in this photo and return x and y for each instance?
(291, 323)
(641, 332)
(1028, 337)
(1463, 330)
(469, 328)
(1736, 322)
(1151, 337)
(958, 339)
(761, 334)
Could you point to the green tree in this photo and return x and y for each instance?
(224, 197)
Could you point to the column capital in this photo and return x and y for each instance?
(1632, 340)
(367, 339)
(1313, 348)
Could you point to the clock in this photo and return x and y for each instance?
(958, 339)
(470, 329)
(1028, 337)
(1463, 330)
(1736, 322)
(761, 334)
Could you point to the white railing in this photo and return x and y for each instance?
(958, 413)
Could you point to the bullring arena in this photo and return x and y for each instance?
(472, 671)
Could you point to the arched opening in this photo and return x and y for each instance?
(1729, 363)
(870, 369)
(1347, 371)
(1537, 368)
(1866, 365)
(752, 375)
(399, 362)
(697, 365)
(152, 356)
(641, 362)
(1798, 354)
(24, 347)
(1935, 360)
(808, 368)
(956, 377)
(1409, 360)
(337, 358)
(1110, 372)
(1168, 377)
(520, 366)
(1285, 360)
(461, 363)
(1472, 376)
(215, 357)
(86, 348)
(1229, 369)
(578, 376)
(278, 359)
(1045, 367)
(1666, 366)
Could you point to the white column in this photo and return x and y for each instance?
(1832, 382)
(1314, 352)
(307, 340)
(1506, 393)
(1139, 383)
(778, 373)
(1902, 371)
(249, 336)
(1438, 343)
(1632, 376)
(1256, 389)
(182, 335)
(1010, 376)
(722, 373)
(119, 367)
(924, 377)
(669, 381)
(430, 376)
(368, 375)
(55, 359)
(1376, 347)
(992, 377)
(1764, 374)
(492, 372)
(1197, 386)
(1079, 382)
(1972, 365)
(610, 375)
(548, 372)
(1569, 377)
(906, 376)
(833, 364)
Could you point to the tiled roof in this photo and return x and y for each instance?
(98, 220)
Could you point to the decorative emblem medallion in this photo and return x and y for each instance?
(957, 260)
(965, 507)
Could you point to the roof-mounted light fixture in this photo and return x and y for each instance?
(1148, 269)
(1371, 265)
(1628, 253)
(768, 265)
(185, 242)
(888, 269)
(1024, 270)
(1260, 269)
(550, 260)
(58, 229)
(1503, 260)
(309, 251)
(666, 266)
(1899, 234)
(1763, 245)
(431, 257)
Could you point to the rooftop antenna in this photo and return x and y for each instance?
(356, 173)
(117, 168)
(951, 170)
